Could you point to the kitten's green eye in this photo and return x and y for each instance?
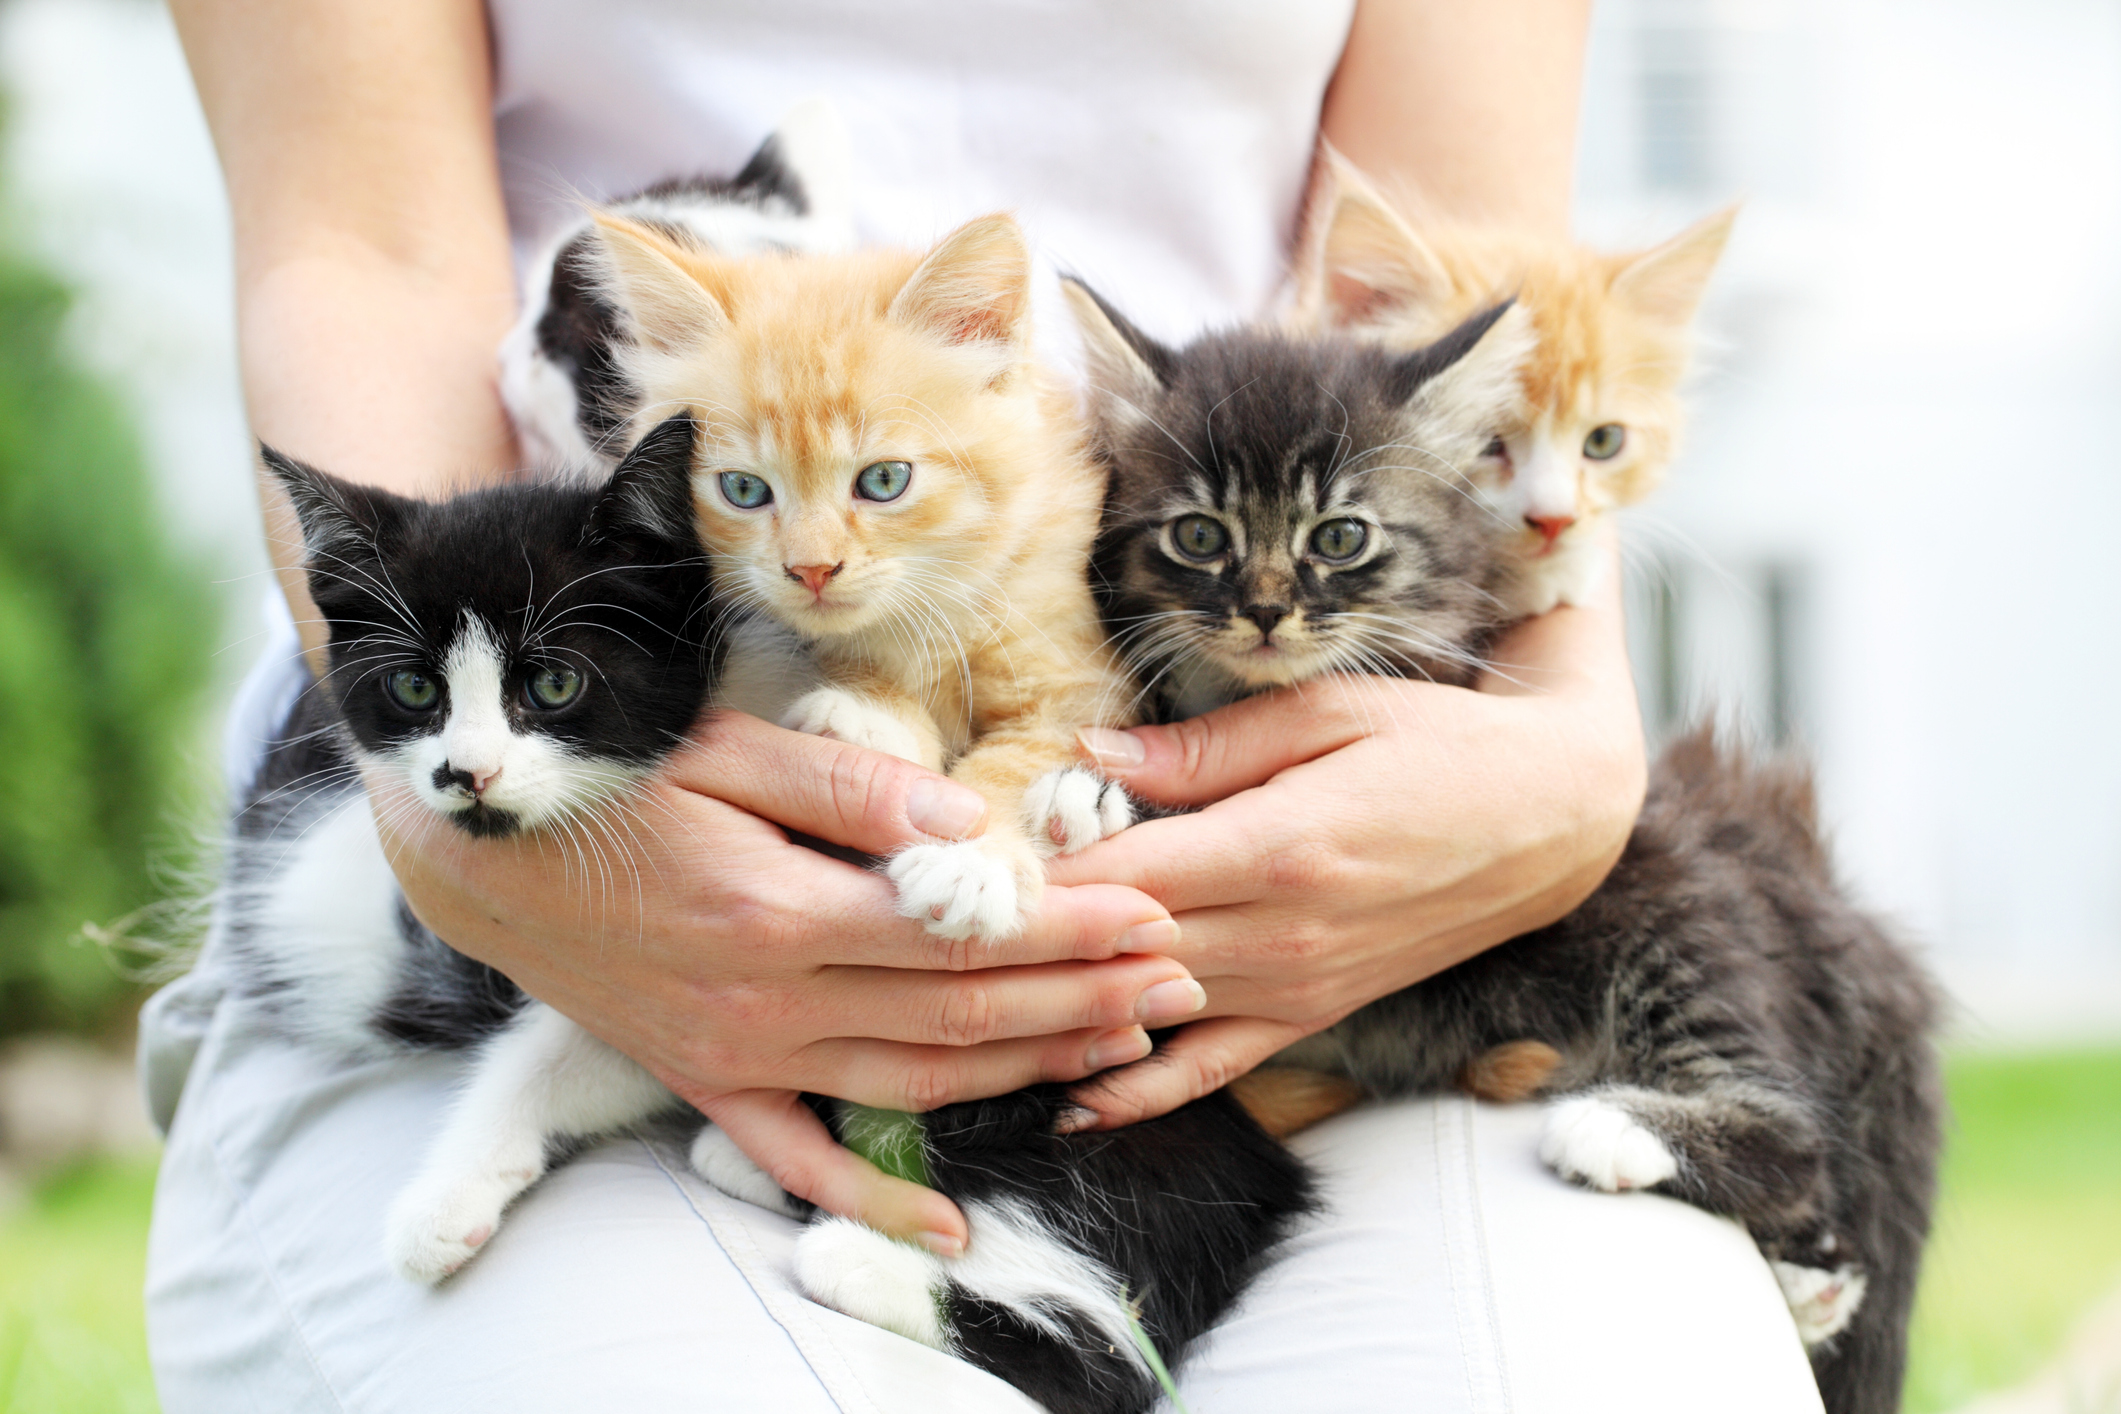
(553, 688)
(1605, 442)
(883, 481)
(415, 692)
(1199, 537)
(1339, 539)
(745, 491)
(1495, 449)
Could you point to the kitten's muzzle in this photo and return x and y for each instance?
(1550, 529)
(1266, 616)
(813, 577)
(451, 780)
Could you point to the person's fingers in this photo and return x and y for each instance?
(1239, 851)
(895, 1076)
(1200, 1059)
(1247, 743)
(1003, 1003)
(784, 1136)
(863, 800)
(1087, 923)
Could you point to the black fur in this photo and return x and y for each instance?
(580, 330)
(609, 581)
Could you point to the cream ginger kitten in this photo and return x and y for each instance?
(884, 470)
(1600, 414)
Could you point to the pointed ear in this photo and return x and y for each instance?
(1666, 282)
(340, 520)
(642, 273)
(974, 288)
(1358, 259)
(809, 162)
(650, 494)
(1125, 365)
(1468, 378)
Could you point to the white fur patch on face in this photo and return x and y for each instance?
(478, 755)
(1597, 1143)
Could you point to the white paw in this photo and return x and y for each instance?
(1823, 1302)
(441, 1222)
(833, 712)
(961, 890)
(1068, 810)
(716, 1158)
(1600, 1144)
(863, 1274)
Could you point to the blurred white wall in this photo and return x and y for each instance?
(1910, 419)
(1890, 535)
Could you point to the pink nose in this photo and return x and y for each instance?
(1550, 527)
(814, 577)
(482, 779)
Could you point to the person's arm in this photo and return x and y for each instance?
(374, 286)
(1370, 833)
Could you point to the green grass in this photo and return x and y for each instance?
(2029, 1226)
(2028, 1236)
(72, 1339)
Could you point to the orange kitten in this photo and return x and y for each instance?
(884, 470)
(1600, 414)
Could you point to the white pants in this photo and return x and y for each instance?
(1449, 1272)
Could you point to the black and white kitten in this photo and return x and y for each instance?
(1723, 1024)
(511, 659)
(560, 373)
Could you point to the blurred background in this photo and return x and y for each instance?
(1886, 543)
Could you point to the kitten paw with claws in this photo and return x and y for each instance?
(440, 1223)
(839, 714)
(1601, 1145)
(1823, 1302)
(1068, 810)
(965, 890)
(716, 1158)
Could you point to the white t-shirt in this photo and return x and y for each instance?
(1156, 148)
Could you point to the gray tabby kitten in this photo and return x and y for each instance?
(1717, 1022)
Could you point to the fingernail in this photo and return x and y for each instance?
(942, 1244)
(1167, 1001)
(1117, 1048)
(1160, 936)
(1118, 751)
(1074, 1120)
(938, 807)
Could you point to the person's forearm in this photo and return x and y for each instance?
(373, 281)
(1468, 109)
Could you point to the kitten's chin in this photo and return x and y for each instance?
(1275, 667)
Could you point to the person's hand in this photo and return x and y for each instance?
(740, 968)
(1364, 834)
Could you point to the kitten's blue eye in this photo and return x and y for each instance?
(1339, 539)
(415, 692)
(745, 491)
(1199, 537)
(553, 688)
(1605, 442)
(883, 481)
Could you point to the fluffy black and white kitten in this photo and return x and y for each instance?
(511, 659)
(560, 374)
(1723, 1024)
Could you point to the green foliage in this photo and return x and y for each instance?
(106, 637)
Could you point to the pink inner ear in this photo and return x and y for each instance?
(1355, 302)
(971, 324)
